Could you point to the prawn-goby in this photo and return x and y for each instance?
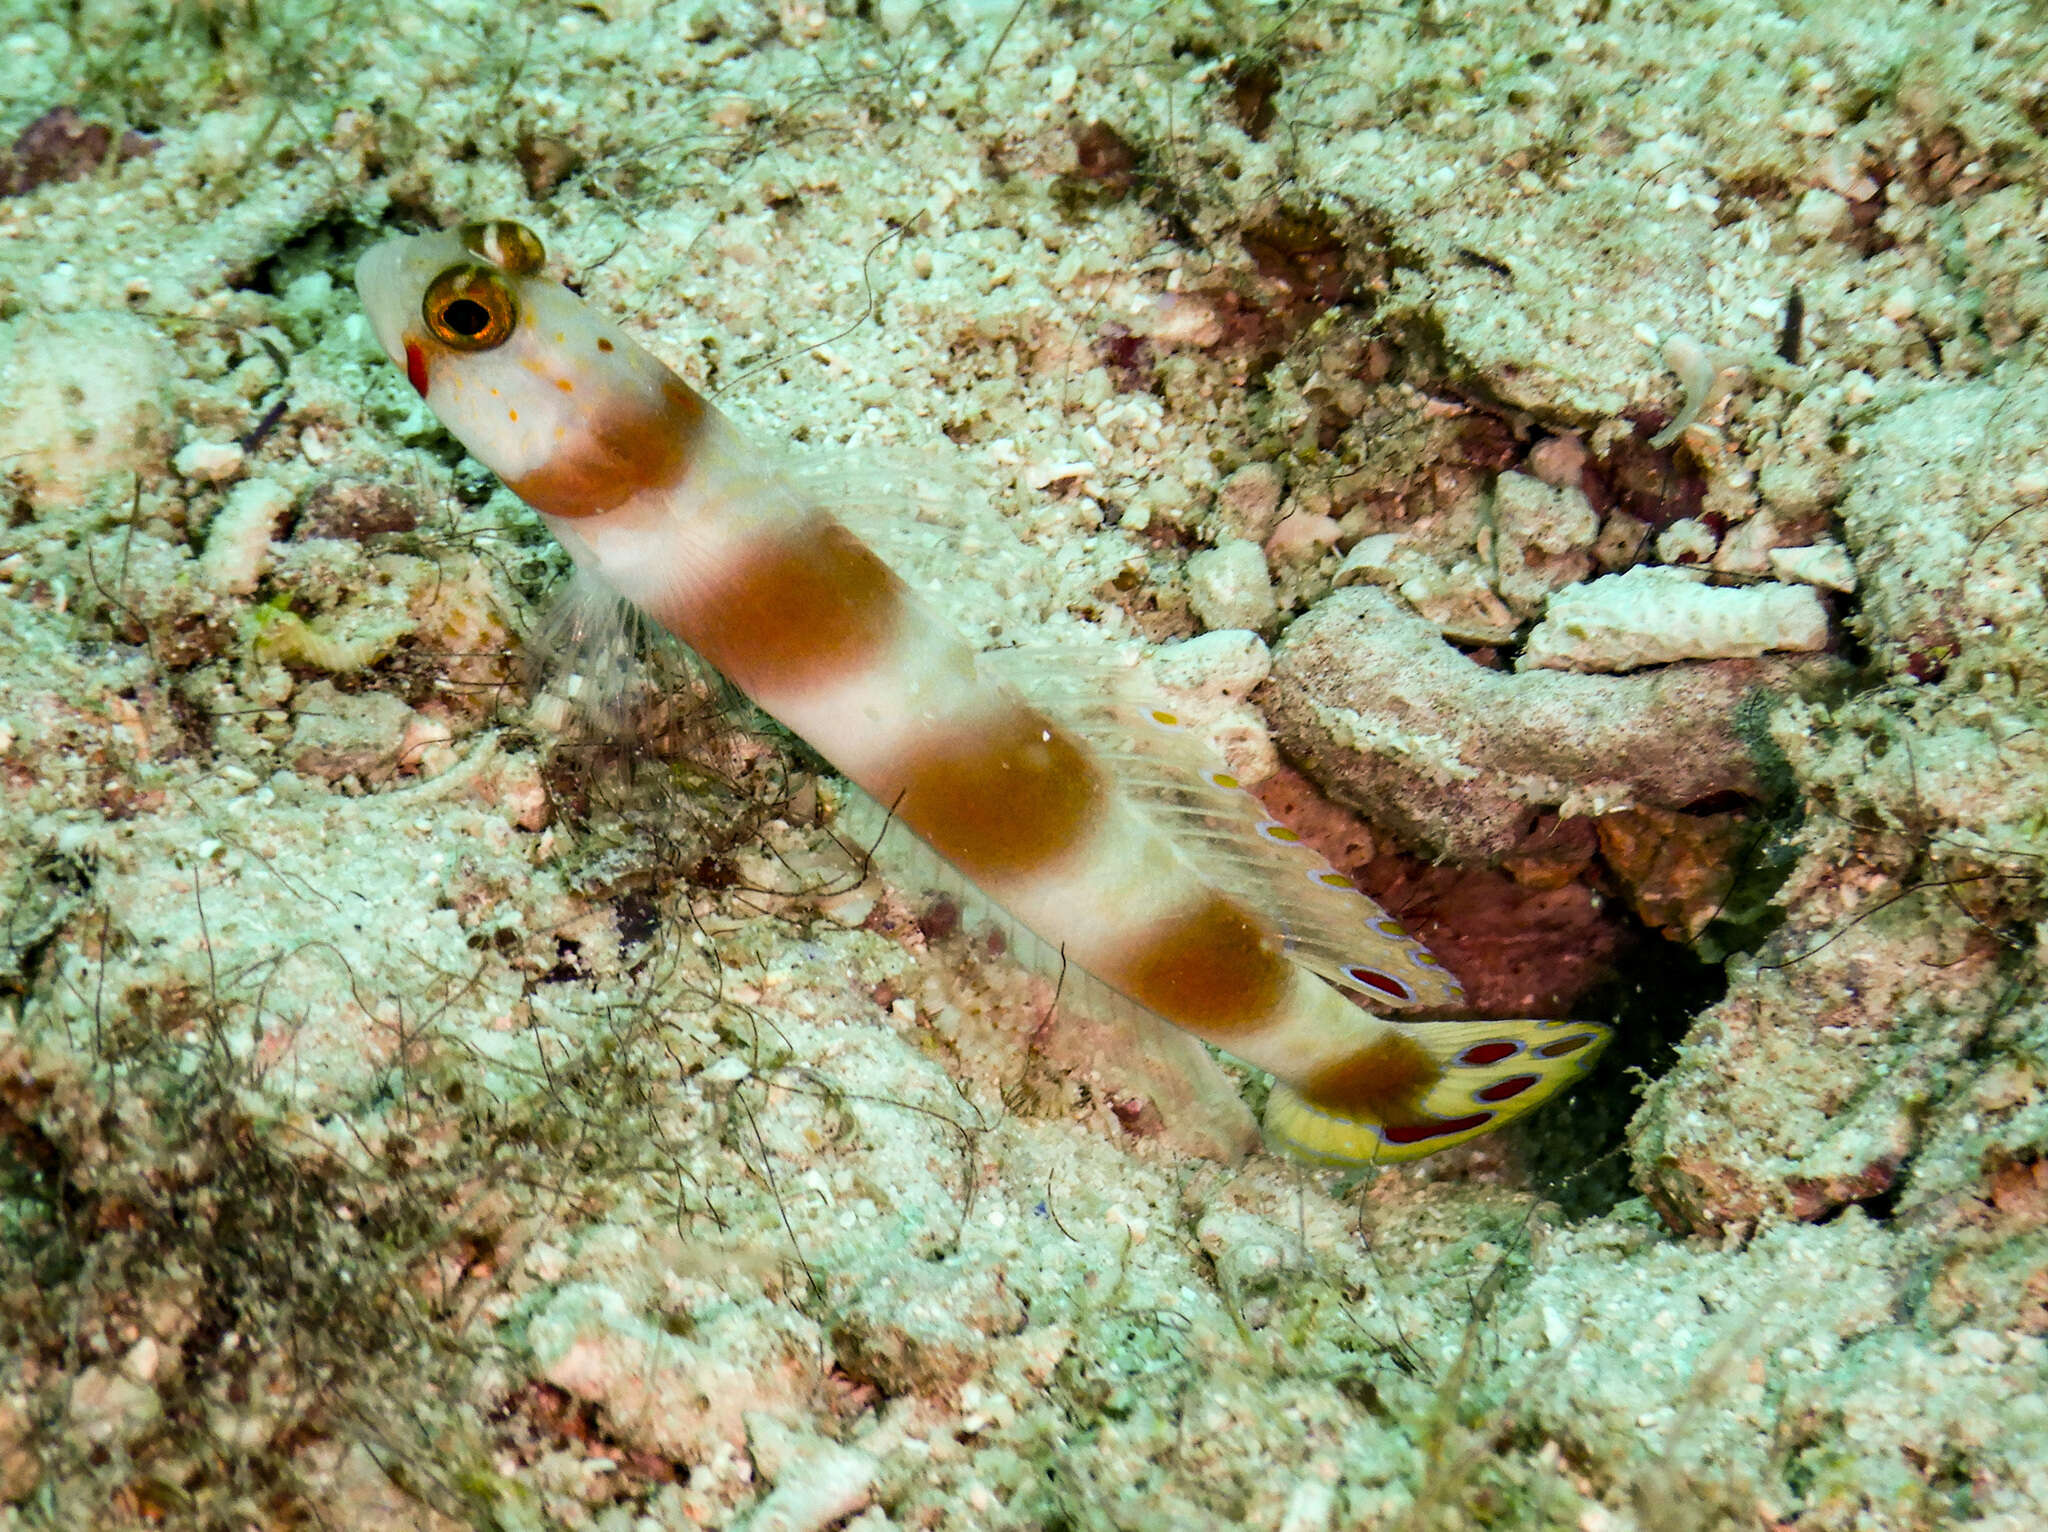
(1086, 814)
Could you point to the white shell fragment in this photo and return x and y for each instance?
(1652, 616)
(209, 461)
(1824, 564)
(1686, 541)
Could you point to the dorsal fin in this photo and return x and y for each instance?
(926, 522)
(1172, 775)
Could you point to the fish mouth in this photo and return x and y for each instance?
(380, 286)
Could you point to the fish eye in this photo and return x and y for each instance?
(470, 308)
(509, 246)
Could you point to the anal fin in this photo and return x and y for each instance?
(1199, 1108)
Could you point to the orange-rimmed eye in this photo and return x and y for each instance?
(509, 246)
(470, 307)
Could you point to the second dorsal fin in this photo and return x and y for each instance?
(1170, 773)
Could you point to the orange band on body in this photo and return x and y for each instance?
(806, 607)
(1216, 970)
(1383, 1080)
(1004, 799)
(625, 446)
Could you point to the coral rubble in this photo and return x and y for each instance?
(418, 1110)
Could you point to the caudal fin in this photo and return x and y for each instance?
(1490, 1072)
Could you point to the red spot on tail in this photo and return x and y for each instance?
(1444, 1127)
(1508, 1089)
(1380, 983)
(1480, 1054)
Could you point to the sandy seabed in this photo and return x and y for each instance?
(420, 1107)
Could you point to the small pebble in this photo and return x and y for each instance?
(1820, 212)
(1222, 665)
(208, 462)
(1229, 586)
(1559, 461)
(1248, 502)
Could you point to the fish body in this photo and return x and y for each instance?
(1170, 886)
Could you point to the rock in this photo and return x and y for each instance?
(1820, 212)
(1458, 759)
(1248, 502)
(680, 1396)
(1686, 541)
(1545, 537)
(917, 1327)
(82, 397)
(1559, 461)
(1678, 868)
(1826, 565)
(209, 462)
(1458, 599)
(1221, 666)
(107, 1405)
(1209, 679)
(1621, 541)
(338, 734)
(817, 1482)
(1746, 550)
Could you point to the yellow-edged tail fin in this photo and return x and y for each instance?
(1489, 1072)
